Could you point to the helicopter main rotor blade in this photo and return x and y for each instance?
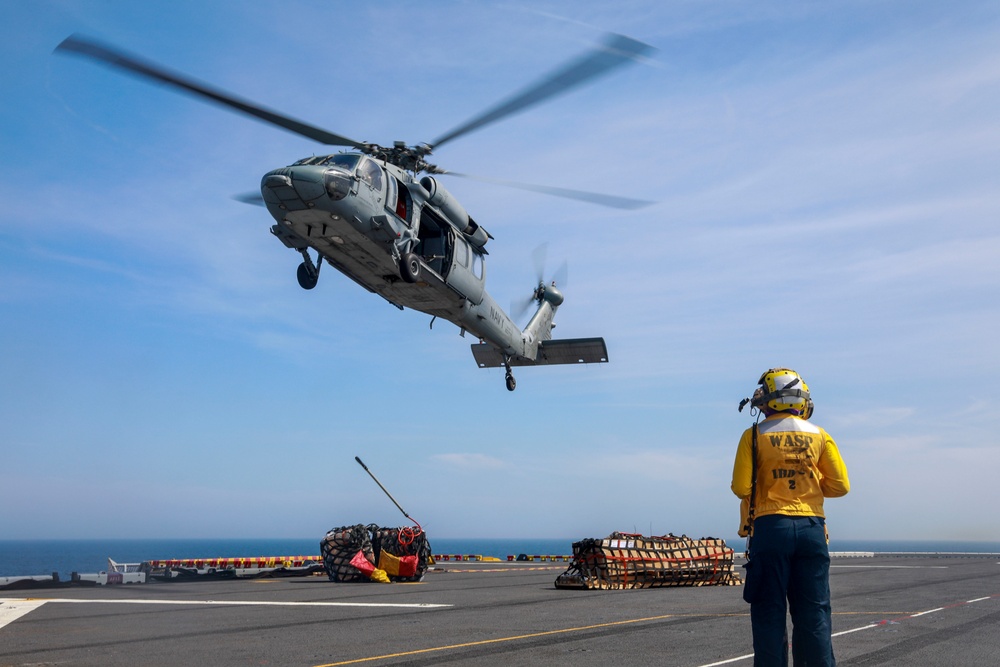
(611, 201)
(252, 198)
(83, 46)
(538, 259)
(617, 50)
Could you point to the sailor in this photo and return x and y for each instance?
(785, 466)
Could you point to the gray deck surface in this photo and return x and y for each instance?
(887, 611)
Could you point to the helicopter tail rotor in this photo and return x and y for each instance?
(542, 290)
(540, 257)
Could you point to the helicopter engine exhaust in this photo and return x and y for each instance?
(443, 199)
(454, 211)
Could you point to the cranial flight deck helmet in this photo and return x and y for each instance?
(781, 390)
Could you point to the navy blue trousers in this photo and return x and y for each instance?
(789, 571)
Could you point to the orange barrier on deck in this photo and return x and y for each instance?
(260, 562)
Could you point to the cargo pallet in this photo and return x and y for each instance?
(626, 560)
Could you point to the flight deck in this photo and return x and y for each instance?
(887, 610)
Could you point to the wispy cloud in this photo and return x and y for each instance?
(470, 461)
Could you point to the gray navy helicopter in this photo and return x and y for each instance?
(370, 214)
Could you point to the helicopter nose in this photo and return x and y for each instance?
(293, 187)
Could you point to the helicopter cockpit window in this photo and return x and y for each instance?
(371, 174)
(315, 159)
(346, 161)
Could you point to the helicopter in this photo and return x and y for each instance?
(380, 215)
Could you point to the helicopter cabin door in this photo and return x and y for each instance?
(467, 272)
(448, 254)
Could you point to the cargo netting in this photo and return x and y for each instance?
(352, 553)
(625, 560)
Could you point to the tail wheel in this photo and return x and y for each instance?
(409, 268)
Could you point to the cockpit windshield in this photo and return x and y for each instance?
(346, 161)
(315, 159)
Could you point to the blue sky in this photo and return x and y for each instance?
(827, 183)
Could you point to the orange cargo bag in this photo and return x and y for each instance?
(397, 566)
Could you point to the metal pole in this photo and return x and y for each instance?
(358, 459)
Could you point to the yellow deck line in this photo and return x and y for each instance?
(532, 635)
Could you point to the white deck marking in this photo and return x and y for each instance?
(726, 662)
(863, 627)
(11, 610)
(242, 603)
(929, 611)
(895, 567)
(836, 634)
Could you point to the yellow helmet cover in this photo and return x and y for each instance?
(782, 390)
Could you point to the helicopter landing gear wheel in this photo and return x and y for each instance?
(511, 382)
(308, 273)
(409, 267)
(307, 277)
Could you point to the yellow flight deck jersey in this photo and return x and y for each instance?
(797, 466)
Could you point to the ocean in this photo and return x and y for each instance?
(43, 557)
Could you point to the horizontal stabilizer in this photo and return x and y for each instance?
(550, 352)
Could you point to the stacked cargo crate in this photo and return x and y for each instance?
(624, 560)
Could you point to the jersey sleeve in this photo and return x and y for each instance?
(743, 466)
(834, 482)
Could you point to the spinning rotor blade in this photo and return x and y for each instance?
(519, 308)
(560, 278)
(91, 49)
(252, 198)
(610, 201)
(539, 257)
(616, 51)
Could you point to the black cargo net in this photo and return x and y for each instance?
(404, 541)
(350, 552)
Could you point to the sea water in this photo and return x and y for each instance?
(43, 557)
